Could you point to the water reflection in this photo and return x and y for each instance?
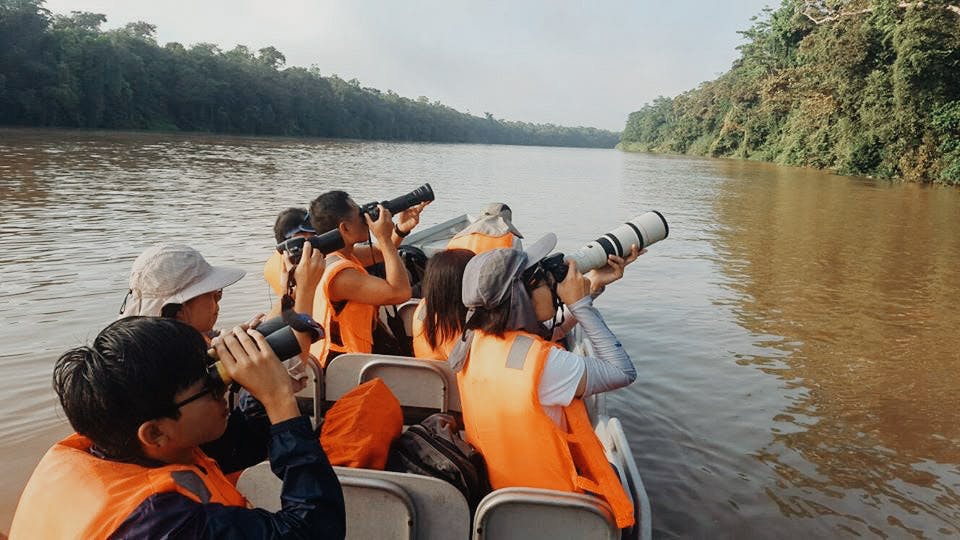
(861, 282)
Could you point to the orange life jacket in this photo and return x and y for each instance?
(421, 347)
(74, 494)
(272, 271)
(350, 330)
(521, 445)
(479, 243)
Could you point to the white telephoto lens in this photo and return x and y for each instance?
(651, 226)
(588, 257)
(643, 230)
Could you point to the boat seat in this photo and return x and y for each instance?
(541, 514)
(379, 504)
(406, 315)
(427, 385)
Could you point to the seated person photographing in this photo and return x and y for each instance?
(142, 402)
(347, 298)
(291, 223)
(521, 393)
(439, 317)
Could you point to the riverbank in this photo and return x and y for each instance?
(67, 72)
(872, 92)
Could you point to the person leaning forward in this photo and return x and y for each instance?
(347, 298)
(521, 393)
(141, 402)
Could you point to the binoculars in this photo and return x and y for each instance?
(279, 335)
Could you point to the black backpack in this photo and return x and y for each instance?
(434, 448)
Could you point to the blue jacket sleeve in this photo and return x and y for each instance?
(311, 499)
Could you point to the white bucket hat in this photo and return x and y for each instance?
(172, 274)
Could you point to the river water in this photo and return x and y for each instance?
(796, 336)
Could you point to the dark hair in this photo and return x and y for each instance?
(330, 209)
(129, 375)
(287, 221)
(171, 310)
(490, 321)
(442, 286)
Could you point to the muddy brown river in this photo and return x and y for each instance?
(796, 336)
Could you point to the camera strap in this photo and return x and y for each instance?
(301, 322)
(557, 304)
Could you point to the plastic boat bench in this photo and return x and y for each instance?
(423, 387)
(379, 504)
(540, 514)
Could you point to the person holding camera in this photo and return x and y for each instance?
(291, 223)
(517, 385)
(347, 298)
(142, 403)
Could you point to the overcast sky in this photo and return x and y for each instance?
(572, 63)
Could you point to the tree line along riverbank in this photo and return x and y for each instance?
(861, 87)
(65, 71)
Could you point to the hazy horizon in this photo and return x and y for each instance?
(558, 62)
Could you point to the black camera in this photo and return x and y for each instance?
(326, 243)
(331, 241)
(423, 193)
(279, 335)
(556, 265)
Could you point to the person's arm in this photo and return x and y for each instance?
(406, 222)
(601, 277)
(611, 368)
(311, 500)
(357, 287)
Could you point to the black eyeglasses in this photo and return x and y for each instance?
(213, 387)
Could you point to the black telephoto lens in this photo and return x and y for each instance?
(423, 193)
(325, 243)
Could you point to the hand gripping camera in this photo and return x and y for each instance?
(279, 335)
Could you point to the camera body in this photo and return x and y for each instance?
(331, 241)
(643, 230)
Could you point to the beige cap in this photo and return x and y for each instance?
(494, 220)
(172, 274)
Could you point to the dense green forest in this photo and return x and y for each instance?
(65, 71)
(858, 87)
